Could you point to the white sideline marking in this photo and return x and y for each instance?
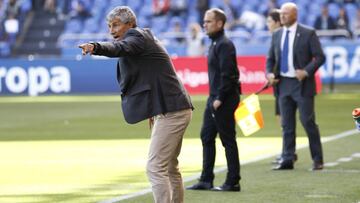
(223, 168)
(331, 164)
(345, 159)
(340, 171)
(356, 155)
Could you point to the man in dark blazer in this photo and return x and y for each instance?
(324, 21)
(149, 89)
(221, 104)
(294, 57)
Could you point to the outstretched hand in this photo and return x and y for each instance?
(87, 48)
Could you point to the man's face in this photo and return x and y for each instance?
(117, 28)
(211, 26)
(288, 15)
(272, 24)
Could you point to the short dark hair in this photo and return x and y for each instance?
(275, 15)
(219, 15)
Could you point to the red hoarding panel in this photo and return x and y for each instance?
(193, 73)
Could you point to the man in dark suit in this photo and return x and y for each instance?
(324, 21)
(294, 57)
(149, 89)
(220, 107)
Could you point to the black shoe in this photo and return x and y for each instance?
(317, 166)
(200, 186)
(279, 159)
(228, 188)
(284, 165)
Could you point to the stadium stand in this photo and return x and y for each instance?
(57, 31)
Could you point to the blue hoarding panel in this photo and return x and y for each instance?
(57, 76)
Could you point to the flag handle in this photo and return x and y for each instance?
(267, 85)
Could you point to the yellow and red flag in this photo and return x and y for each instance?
(248, 115)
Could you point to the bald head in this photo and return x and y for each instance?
(288, 14)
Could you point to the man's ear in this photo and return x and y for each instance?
(129, 24)
(220, 24)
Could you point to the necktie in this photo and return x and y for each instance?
(284, 54)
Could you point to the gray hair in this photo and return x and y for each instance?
(124, 13)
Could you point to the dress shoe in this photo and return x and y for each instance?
(200, 186)
(284, 166)
(279, 159)
(227, 188)
(317, 166)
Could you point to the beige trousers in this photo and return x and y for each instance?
(163, 166)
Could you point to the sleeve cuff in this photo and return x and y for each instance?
(220, 97)
(96, 46)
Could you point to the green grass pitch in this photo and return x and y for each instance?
(79, 149)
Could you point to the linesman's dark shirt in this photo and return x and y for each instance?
(222, 67)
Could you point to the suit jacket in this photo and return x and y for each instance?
(307, 52)
(330, 23)
(148, 82)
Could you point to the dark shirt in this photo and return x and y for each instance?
(222, 67)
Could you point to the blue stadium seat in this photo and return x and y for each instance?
(333, 10)
(68, 43)
(302, 14)
(261, 36)
(103, 27)
(73, 26)
(254, 4)
(143, 22)
(310, 20)
(176, 49)
(351, 10)
(4, 49)
(314, 9)
(97, 13)
(99, 4)
(146, 11)
(193, 18)
(280, 2)
(91, 26)
(26, 6)
(237, 4)
(135, 5)
(216, 4)
(319, 2)
(70, 51)
(248, 7)
(114, 3)
(160, 23)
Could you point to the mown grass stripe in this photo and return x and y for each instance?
(221, 169)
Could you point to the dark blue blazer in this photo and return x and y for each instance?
(307, 53)
(148, 82)
(330, 23)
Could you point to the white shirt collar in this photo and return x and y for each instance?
(292, 28)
